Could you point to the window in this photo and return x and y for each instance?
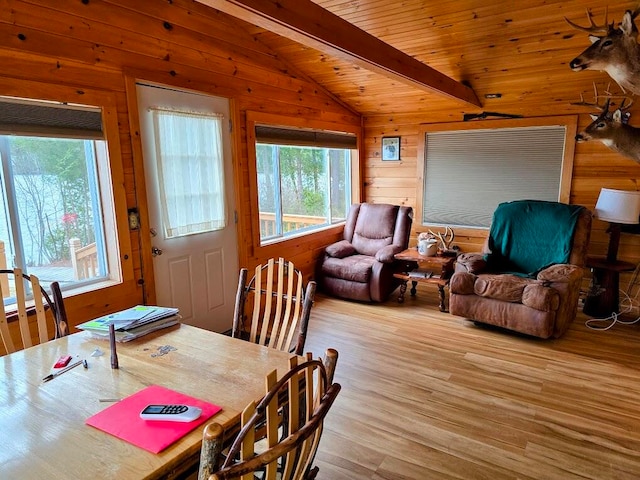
(303, 179)
(51, 211)
(190, 171)
(468, 172)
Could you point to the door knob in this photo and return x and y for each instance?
(155, 251)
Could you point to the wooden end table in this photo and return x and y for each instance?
(410, 260)
(606, 275)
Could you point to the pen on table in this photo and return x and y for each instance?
(109, 400)
(53, 375)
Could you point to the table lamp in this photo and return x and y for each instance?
(617, 207)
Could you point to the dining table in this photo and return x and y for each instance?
(43, 433)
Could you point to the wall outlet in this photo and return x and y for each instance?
(134, 219)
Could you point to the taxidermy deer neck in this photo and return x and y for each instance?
(610, 130)
(614, 50)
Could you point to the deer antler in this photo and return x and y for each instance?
(596, 96)
(445, 238)
(622, 96)
(593, 29)
(608, 97)
(622, 107)
(448, 237)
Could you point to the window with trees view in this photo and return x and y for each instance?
(48, 217)
(303, 179)
(51, 222)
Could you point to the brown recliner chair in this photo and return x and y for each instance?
(361, 266)
(529, 275)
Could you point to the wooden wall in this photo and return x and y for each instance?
(594, 167)
(105, 45)
(518, 53)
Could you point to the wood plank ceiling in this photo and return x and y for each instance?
(520, 50)
(309, 24)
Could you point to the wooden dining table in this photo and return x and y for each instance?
(42, 425)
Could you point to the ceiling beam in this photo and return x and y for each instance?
(309, 24)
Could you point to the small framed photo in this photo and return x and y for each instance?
(391, 148)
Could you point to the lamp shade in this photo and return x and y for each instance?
(618, 206)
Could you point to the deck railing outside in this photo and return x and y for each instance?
(84, 265)
(290, 223)
(84, 260)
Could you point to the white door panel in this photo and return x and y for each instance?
(214, 275)
(180, 285)
(196, 273)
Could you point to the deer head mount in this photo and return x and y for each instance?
(611, 128)
(614, 50)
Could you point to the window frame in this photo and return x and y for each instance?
(569, 122)
(274, 120)
(97, 148)
(111, 177)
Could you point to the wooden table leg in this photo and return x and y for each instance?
(403, 289)
(413, 288)
(441, 296)
(607, 301)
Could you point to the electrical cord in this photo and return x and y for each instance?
(629, 303)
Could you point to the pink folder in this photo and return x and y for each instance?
(122, 419)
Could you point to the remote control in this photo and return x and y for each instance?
(171, 413)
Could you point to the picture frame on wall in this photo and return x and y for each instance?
(391, 149)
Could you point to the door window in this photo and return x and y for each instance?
(190, 167)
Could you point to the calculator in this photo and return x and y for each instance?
(171, 413)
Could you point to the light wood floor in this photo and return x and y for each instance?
(426, 395)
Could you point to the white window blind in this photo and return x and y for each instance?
(469, 172)
(190, 170)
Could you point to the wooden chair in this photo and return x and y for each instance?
(274, 301)
(40, 303)
(293, 410)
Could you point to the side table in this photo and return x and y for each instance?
(606, 277)
(441, 267)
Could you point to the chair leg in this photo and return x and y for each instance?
(61, 322)
(238, 314)
(330, 360)
(312, 474)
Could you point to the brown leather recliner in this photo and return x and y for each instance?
(543, 303)
(361, 266)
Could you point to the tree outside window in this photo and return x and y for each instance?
(48, 202)
(301, 188)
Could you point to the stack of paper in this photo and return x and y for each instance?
(420, 274)
(133, 322)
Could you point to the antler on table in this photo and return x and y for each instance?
(445, 238)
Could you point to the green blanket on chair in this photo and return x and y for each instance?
(527, 236)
